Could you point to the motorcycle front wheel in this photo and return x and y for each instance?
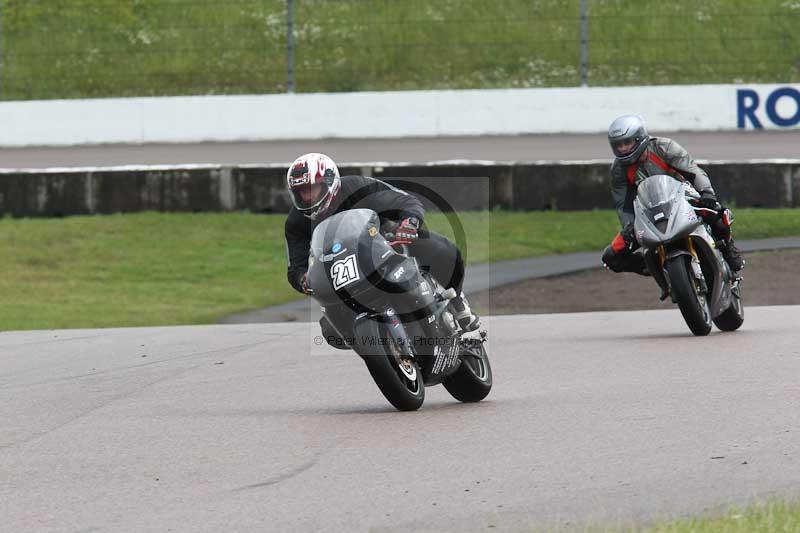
(691, 302)
(397, 376)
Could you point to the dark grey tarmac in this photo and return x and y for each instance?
(736, 146)
(605, 418)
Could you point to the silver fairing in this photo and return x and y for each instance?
(663, 215)
(662, 212)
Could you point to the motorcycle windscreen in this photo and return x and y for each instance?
(658, 190)
(344, 229)
(346, 248)
(656, 194)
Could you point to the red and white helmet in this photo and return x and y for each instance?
(313, 181)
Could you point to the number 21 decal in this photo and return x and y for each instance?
(344, 272)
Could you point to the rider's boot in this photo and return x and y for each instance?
(467, 320)
(732, 255)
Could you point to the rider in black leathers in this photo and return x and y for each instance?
(318, 191)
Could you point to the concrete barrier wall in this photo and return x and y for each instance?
(395, 114)
(463, 186)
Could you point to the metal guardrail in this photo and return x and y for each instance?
(458, 187)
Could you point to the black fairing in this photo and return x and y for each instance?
(346, 252)
(351, 263)
(383, 279)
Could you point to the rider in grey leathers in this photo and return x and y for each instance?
(638, 156)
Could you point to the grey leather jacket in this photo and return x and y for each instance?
(662, 156)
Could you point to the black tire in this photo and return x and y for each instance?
(403, 387)
(693, 305)
(733, 317)
(473, 379)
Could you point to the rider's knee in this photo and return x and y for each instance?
(613, 260)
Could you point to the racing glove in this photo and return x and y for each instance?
(709, 200)
(629, 236)
(304, 284)
(407, 230)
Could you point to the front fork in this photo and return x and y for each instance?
(655, 259)
(396, 331)
(696, 270)
(656, 267)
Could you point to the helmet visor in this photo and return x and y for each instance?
(309, 196)
(623, 147)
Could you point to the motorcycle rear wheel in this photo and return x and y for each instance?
(733, 317)
(693, 304)
(473, 379)
(401, 383)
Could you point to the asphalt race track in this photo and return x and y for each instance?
(605, 418)
(736, 146)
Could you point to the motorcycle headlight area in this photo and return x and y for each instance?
(659, 216)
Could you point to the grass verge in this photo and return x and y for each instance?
(150, 269)
(102, 48)
(774, 517)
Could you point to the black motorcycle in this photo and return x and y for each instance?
(377, 301)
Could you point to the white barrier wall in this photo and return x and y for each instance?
(395, 114)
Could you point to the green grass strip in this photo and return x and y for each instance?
(149, 269)
(774, 517)
(101, 48)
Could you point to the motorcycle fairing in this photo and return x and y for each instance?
(661, 212)
(664, 218)
(356, 250)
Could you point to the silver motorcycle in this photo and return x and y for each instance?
(683, 257)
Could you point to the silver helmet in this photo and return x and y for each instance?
(628, 138)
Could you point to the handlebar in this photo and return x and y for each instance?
(703, 211)
(400, 245)
(388, 230)
(706, 210)
(394, 242)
